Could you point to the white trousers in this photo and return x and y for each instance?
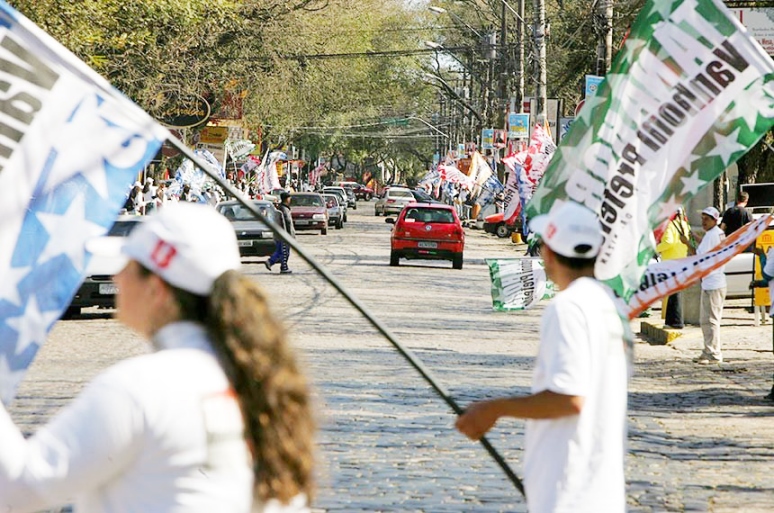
(711, 313)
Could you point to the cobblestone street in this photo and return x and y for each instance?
(700, 437)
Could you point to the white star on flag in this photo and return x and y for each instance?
(9, 290)
(726, 146)
(692, 183)
(72, 230)
(32, 326)
(667, 208)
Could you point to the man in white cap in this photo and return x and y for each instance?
(576, 432)
(713, 290)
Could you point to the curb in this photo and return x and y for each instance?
(657, 336)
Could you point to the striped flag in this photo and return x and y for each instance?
(70, 147)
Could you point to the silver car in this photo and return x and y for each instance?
(393, 200)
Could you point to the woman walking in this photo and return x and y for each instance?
(217, 418)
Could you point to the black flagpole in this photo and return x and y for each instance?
(405, 352)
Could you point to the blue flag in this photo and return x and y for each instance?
(70, 147)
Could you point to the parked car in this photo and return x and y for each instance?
(428, 232)
(421, 196)
(253, 236)
(309, 212)
(393, 200)
(495, 224)
(362, 192)
(335, 212)
(342, 197)
(98, 289)
(349, 196)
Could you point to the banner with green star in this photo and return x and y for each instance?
(688, 95)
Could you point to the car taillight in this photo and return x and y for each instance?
(390, 201)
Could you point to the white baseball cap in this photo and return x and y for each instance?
(188, 245)
(712, 212)
(570, 230)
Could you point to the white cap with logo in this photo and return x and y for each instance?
(712, 212)
(570, 229)
(186, 244)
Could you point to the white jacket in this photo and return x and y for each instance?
(160, 432)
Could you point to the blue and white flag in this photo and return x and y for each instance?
(70, 147)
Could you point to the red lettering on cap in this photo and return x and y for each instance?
(550, 230)
(163, 254)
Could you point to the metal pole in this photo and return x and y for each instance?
(521, 27)
(540, 50)
(360, 307)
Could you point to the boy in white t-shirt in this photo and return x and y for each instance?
(576, 428)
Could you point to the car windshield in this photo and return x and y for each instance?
(238, 212)
(306, 201)
(123, 228)
(430, 215)
(399, 194)
(331, 200)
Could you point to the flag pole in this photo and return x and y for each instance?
(360, 307)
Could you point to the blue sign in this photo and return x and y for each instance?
(592, 82)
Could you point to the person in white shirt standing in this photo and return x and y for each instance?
(576, 428)
(216, 419)
(713, 290)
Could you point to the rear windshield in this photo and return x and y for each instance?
(331, 199)
(430, 215)
(399, 194)
(306, 201)
(240, 213)
(122, 228)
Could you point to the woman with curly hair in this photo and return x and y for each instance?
(216, 419)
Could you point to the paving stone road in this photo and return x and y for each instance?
(700, 437)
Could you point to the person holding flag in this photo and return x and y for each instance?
(576, 428)
(713, 289)
(217, 418)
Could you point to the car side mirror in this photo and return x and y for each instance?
(389, 220)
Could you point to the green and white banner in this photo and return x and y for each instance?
(518, 283)
(688, 95)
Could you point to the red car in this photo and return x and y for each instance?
(309, 212)
(428, 232)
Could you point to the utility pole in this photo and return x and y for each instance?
(520, 29)
(540, 50)
(504, 70)
(604, 19)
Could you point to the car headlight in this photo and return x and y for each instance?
(319, 217)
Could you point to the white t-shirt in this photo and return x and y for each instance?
(576, 463)
(161, 432)
(717, 278)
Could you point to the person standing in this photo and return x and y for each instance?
(217, 418)
(672, 247)
(713, 291)
(282, 249)
(576, 427)
(149, 196)
(736, 216)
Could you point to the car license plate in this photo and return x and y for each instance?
(429, 245)
(244, 243)
(108, 289)
(301, 222)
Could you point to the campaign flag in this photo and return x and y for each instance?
(72, 146)
(451, 174)
(316, 174)
(511, 202)
(688, 94)
(489, 190)
(534, 163)
(189, 174)
(667, 277)
(518, 283)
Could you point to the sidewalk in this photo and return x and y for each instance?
(702, 434)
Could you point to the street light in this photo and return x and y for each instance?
(441, 10)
